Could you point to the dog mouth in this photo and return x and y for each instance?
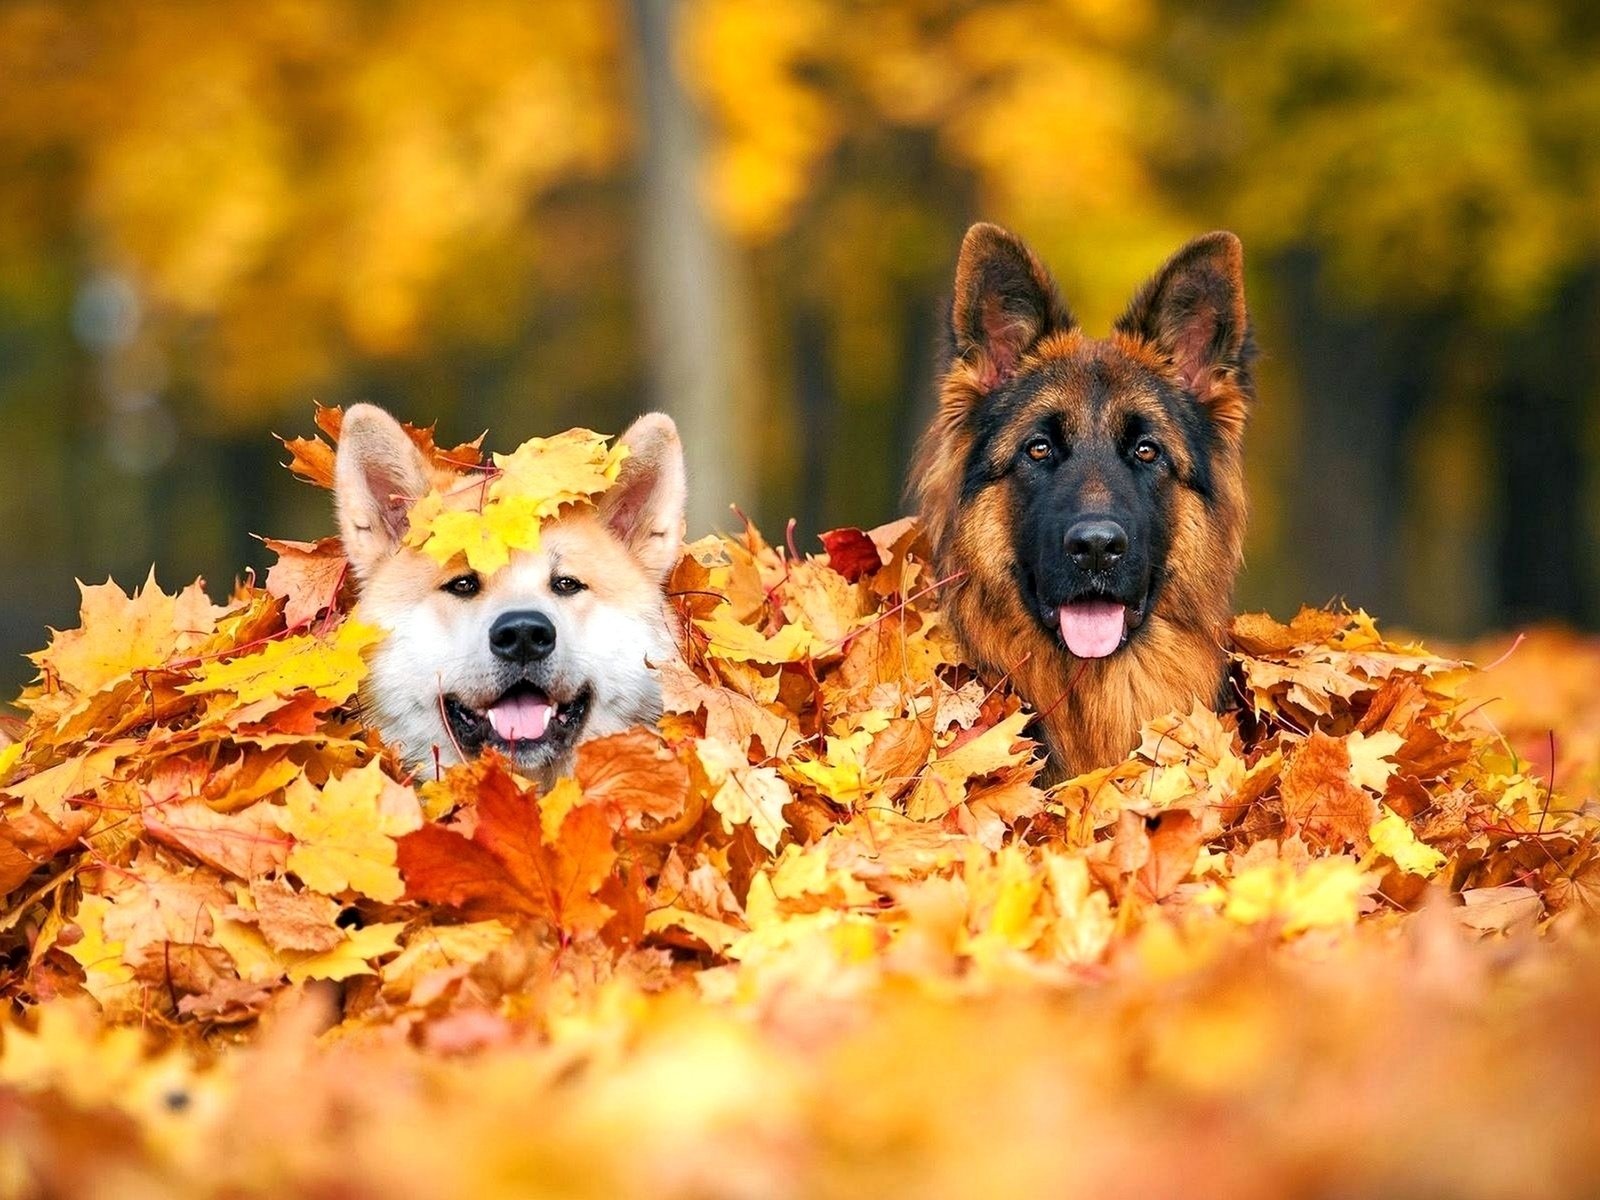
(524, 723)
(1097, 626)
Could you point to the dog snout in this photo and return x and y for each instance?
(1097, 545)
(522, 637)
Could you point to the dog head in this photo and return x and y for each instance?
(552, 649)
(1109, 465)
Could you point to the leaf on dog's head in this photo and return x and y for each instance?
(484, 537)
(570, 468)
(484, 524)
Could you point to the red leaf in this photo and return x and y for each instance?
(851, 552)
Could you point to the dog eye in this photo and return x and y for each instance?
(1146, 451)
(1037, 448)
(566, 585)
(466, 586)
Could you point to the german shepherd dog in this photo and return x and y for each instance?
(555, 648)
(1087, 494)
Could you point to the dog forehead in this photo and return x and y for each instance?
(1092, 388)
(582, 546)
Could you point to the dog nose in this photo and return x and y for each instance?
(522, 637)
(1096, 545)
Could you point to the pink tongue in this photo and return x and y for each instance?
(521, 717)
(1092, 628)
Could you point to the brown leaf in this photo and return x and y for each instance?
(307, 576)
(243, 844)
(1319, 798)
(293, 920)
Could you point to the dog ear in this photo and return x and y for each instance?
(1004, 302)
(377, 475)
(645, 506)
(1193, 311)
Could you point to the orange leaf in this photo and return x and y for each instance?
(633, 773)
(507, 868)
(1319, 797)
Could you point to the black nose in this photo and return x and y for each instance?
(522, 637)
(1096, 545)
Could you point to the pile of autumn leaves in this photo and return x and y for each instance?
(197, 837)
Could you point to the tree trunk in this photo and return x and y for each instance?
(690, 286)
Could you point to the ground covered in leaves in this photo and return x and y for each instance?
(830, 931)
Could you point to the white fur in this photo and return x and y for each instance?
(437, 645)
(441, 649)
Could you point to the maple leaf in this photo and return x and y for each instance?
(509, 867)
(551, 472)
(1325, 893)
(242, 844)
(344, 833)
(330, 667)
(484, 536)
(851, 553)
(291, 919)
(307, 577)
(436, 953)
(484, 523)
(634, 774)
(109, 979)
(312, 459)
(1393, 837)
(352, 955)
(733, 640)
(1371, 755)
(1319, 796)
(119, 635)
(30, 839)
(745, 795)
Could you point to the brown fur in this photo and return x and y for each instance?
(1091, 709)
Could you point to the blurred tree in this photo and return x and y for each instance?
(217, 212)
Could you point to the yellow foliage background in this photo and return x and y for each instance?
(747, 211)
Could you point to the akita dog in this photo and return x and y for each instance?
(555, 648)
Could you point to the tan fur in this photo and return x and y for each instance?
(610, 634)
(1091, 709)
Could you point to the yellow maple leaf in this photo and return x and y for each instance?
(484, 536)
(745, 795)
(107, 977)
(350, 957)
(344, 833)
(1325, 894)
(435, 948)
(534, 483)
(737, 642)
(1393, 837)
(333, 667)
(1084, 924)
(117, 635)
(571, 467)
(1005, 893)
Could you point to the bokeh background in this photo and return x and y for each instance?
(527, 215)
